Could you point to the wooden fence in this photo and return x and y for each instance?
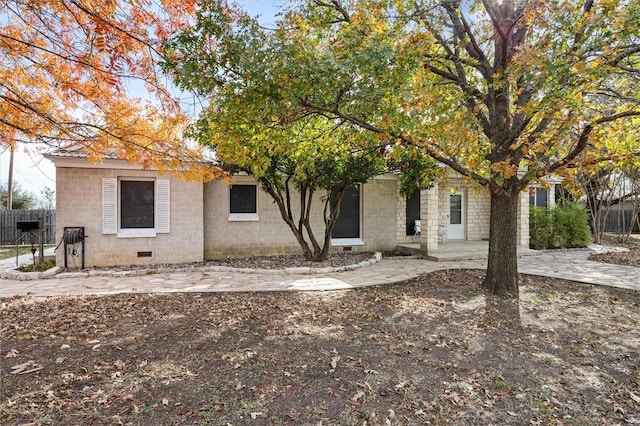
(9, 232)
(619, 221)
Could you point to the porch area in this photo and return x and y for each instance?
(455, 250)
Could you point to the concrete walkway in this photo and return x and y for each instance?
(567, 264)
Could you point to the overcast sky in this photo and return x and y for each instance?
(34, 173)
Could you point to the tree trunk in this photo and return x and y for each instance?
(502, 264)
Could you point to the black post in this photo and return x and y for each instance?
(41, 241)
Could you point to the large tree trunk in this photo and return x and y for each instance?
(502, 265)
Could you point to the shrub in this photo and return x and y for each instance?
(571, 226)
(563, 226)
(539, 227)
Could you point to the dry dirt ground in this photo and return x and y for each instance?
(427, 351)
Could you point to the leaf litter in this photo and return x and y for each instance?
(429, 350)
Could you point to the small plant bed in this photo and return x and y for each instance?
(38, 267)
(425, 351)
(258, 262)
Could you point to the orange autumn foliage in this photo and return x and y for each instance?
(84, 73)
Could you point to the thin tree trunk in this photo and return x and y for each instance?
(502, 264)
(285, 213)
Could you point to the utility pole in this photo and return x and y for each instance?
(10, 180)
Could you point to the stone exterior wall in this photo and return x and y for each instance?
(201, 227)
(477, 208)
(379, 213)
(429, 218)
(401, 223)
(434, 212)
(79, 203)
(523, 220)
(478, 213)
(443, 206)
(270, 235)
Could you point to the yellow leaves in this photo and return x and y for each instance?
(608, 5)
(579, 67)
(504, 169)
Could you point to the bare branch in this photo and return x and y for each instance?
(335, 5)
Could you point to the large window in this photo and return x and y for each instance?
(243, 202)
(347, 228)
(135, 207)
(137, 204)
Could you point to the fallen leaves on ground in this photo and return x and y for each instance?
(426, 350)
(629, 257)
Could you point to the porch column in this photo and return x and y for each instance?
(429, 219)
(523, 220)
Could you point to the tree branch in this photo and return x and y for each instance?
(584, 138)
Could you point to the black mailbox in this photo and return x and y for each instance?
(28, 225)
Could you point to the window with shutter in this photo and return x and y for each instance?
(135, 207)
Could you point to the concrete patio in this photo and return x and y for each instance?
(455, 250)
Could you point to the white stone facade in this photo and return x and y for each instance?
(268, 234)
(201, 226)
(78, 203)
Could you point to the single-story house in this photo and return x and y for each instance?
(135, 216)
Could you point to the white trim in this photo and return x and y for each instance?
(384, 176)
(106, 163)
(341, 242)
(461, 227)
(112, 203)
(243, 217)
(136, 233)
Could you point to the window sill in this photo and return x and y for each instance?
(244, 217)
(341, 242)
(137, 233)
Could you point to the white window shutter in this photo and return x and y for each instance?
(163, 204)
(109, 205)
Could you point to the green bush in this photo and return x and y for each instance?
(539, 227)
(563, 226)
(571, 226)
